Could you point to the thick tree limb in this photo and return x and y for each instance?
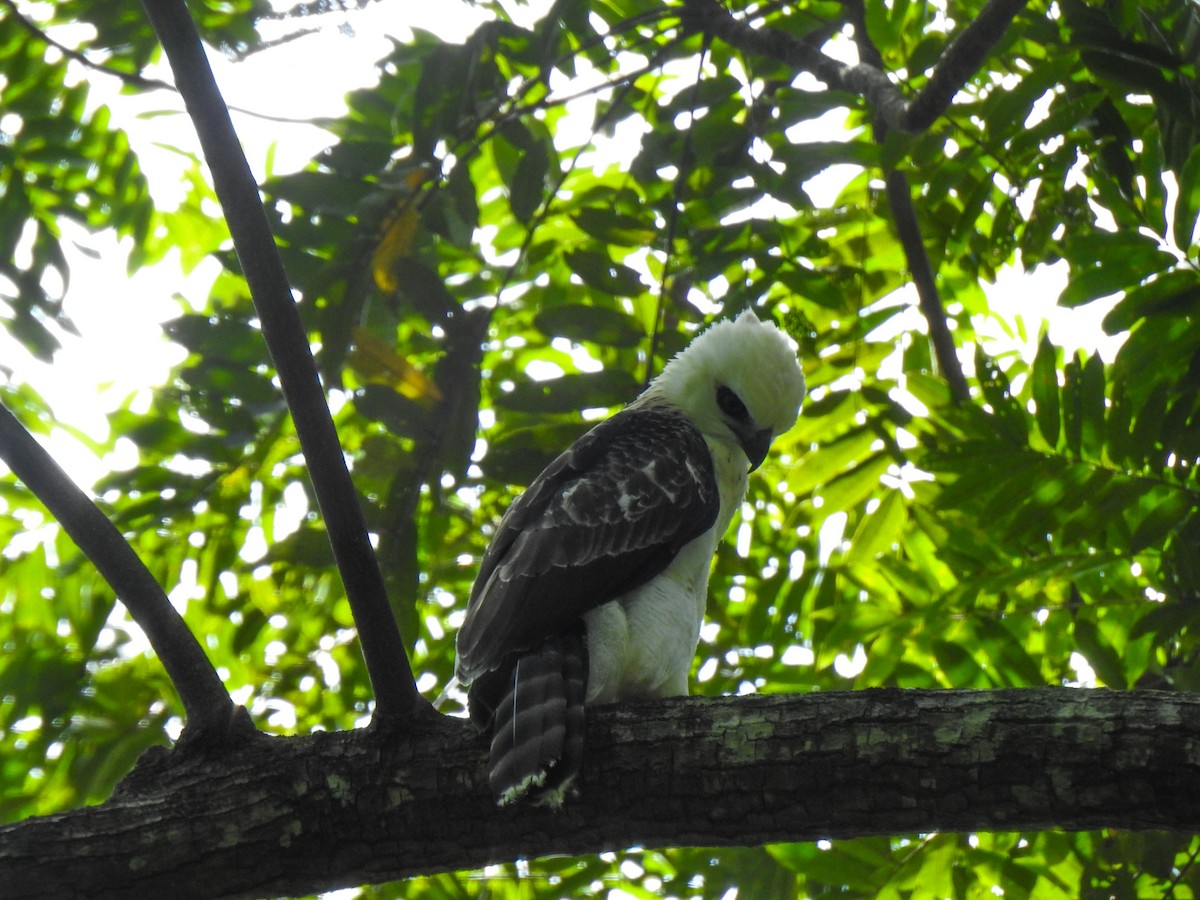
(299, 815)
(211, 713)
(959, 62)
(387, 664)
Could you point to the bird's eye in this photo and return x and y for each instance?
(731, 404)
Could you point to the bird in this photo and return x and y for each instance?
(593, 587)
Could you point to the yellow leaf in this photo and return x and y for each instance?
(395, 245)
(377, 361)
(235, 483)
(398, 237)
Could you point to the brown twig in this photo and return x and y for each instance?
(134, 79)
(945, 351)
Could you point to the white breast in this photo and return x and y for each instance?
(641, 645)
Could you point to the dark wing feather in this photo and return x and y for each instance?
(605, 517)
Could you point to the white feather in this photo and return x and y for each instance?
(642, 644)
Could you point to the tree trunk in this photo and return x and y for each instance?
(304, 814)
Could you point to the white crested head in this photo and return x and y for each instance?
(739, 382)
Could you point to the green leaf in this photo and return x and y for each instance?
(852, 487)
(1014, 665)
(877, 532)
(1100, 654)
(528, 186)
(1117, 428)
(958, 665)
(598, 271)
(613, 227)
(1105, 263)
(833, 458)
(1010, 418)
(1174, 293)
(570, 393)
(519, 455)
(1092, 407)
(1187, 205)
(1073, 404)
(399, 414)
(424, 288)
(591, 324)
(1144, 448)
(1044, 385)
(805, 160)
(1167, 514)
(1165, 620)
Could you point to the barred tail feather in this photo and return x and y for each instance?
(537, 732)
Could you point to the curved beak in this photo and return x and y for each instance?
(756, 446)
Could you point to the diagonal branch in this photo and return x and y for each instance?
(945, 351)
(391, 677)
(958, 63)
(908, 228)
(133, 79)
(211, 714)
(891, 110)
(711, 18)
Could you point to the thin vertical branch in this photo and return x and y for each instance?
(891, 110)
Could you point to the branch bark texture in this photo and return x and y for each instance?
(299, 815)
(929, 298)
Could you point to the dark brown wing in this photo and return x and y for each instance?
(605, 517)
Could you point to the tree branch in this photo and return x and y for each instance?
(396, 696)
(211, 714)
(711, 18)
(891, 110)
(133, 79)
(908, 229)
(311, 813)
(958, 63)
(945, 351)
